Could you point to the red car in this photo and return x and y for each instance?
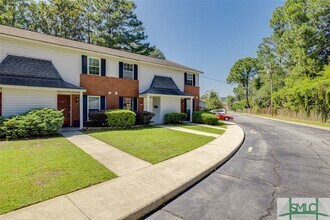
(224, 116)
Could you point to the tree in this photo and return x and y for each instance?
(109, 23)
(242, 72)
(212, 100)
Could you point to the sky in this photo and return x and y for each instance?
(208, 35)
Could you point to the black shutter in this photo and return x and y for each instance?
(194, 105)
(121, 69)
(83, 64)
(135, 102)
(185, 78)
(121, 102)
(102, 103)
(194, 80)
(85, 108)
(185, 106)
(103, 67)
(135, 72)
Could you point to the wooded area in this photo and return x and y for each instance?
(292, 71)
(109, 23)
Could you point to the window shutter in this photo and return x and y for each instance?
(185, 78)
(135, 104)
(194, 80)
(194, 104)
(103, 67)
(85, 108)
(121, 102)
(83, 64)
(135, 72)
(102, 103)
(185, 106)
(121, 69)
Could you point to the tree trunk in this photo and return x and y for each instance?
(247, 96)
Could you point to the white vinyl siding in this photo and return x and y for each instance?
(17, 101)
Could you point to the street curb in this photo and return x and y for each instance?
(180, 189)
(290, 122)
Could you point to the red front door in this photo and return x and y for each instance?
(63, 103)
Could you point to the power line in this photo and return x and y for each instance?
(217, 80)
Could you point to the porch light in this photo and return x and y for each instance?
(77, 100)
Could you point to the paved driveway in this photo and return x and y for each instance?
(277, 160)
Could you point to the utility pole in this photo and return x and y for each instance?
(269, 70)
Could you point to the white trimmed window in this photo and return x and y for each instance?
(94, 66)
(93, 104)
(128, 103)
(128, 71)
(190, 79)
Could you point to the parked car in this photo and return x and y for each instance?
(215, 111)
(224, 116)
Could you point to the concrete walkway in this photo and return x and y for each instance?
(137, 193)
(115, 160)
(208, 126)
(178, 128)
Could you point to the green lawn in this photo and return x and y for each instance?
(202, 128)
(152, 144)
(35, 170)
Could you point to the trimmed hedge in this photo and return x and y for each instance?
(143, 117)
(34, 123)
(175, 118)
(201, 117)
(120, 118)
(97, 118)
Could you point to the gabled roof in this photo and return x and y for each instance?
(25, 71)
(164, 86)
(30, 35)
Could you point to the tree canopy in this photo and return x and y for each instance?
(109, 23)
(212, 100)
(293, 61)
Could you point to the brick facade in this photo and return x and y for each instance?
(110, 87)
(192, 90)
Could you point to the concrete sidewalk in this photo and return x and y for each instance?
(208, 126)
(115, 160)
(137, 193)
(177, 128)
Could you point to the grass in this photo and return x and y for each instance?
(298, 120)
(152, 144)
(36, 170)
(202, 128)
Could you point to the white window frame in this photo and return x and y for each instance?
(91, 96)
(190, 80)
(94, 66)
(132, 103)
(128, 71)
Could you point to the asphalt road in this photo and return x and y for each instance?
(285, 160)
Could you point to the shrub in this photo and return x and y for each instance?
(97, 118)
(205, 118)
(34, 123)
(120, 118)
(143, 117)
(210, 119)
(174, 118)
(2, 131)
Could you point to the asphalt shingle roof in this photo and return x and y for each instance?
(30, 35)
(164, 86)
(25, 71)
